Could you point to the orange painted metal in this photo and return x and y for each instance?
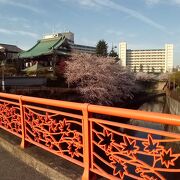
(22, 123)
(10, 117)
(82, 134)
(136, 114)
(86, 138)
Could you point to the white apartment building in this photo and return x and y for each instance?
(147, 60)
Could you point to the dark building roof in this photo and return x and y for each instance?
(11, 48)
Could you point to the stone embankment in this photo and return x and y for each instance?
(173, 102)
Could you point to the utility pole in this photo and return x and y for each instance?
(2, 50)
(3, 77)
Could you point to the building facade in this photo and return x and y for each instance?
(76, 48)
(147, 60)
(10, 52)
(50, 53)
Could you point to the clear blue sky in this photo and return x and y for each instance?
(141, 23)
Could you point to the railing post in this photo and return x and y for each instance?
(22, 123)
(86, 143)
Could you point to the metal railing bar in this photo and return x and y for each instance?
(53, 111)
(136, 114)
(136, 128)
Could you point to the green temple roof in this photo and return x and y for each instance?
(44, 47)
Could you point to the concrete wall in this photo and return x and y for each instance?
(24, 81)
(174, 108)
(160, 85)
(174, 105)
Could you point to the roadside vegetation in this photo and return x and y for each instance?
(175, 77)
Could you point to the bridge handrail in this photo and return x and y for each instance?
(81, 134)
(169, 119)
(137, 114)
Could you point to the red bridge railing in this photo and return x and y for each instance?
(111, 142)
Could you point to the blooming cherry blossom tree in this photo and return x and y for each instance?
(100, 80)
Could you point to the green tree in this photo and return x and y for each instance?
(113, 53)
(152, 70)
(147, 68)
(141, 68)
(161, 70)
(101, 48)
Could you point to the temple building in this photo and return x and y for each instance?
(9, 52)
(51, 51)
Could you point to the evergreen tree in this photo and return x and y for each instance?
(147, 69)
(152, 70)
(113, 53)
(141, 68)
(161, 70)
(101, 48)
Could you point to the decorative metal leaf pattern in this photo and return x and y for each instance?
(126, 156)
(10, 118)
(60, 134)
